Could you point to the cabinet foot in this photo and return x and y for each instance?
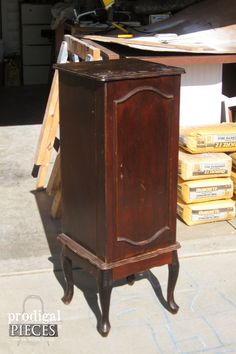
(68, 274)
(104, 287)
(131, 279)
(172, 279)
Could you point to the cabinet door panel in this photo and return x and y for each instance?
(142, 161)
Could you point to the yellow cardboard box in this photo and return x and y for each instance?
(209, 138)
(233, 177)
(201, 213)
(205, 190)
(201, 166)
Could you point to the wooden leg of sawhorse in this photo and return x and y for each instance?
(54, 188)
(54, 182)
(47, 135)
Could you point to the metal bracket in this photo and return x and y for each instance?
(75, 58)
(89, 57)
(63, 53)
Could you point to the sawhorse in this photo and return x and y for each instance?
(72, 49)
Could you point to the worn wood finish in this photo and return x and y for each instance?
(104, 265)
(119, 147)
(112, 70)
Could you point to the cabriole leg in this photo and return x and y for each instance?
(104, 287)
(172, 279)
(68, 274)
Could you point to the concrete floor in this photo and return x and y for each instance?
(29, 265)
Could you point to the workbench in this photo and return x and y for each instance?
(207, 77)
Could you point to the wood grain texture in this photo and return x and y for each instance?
(140, 153)
(119, 157)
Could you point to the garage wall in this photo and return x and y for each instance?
(201, 94)
(10, 25)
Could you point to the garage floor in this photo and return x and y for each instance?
(30, 268)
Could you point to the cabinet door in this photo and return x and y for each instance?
(141, 189)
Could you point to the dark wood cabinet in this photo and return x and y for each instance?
(119, 153)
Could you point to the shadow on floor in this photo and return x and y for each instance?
(23, 105)
(87, 285)
(82, 280)
(52, 227)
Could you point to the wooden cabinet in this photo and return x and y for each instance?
(119, 152)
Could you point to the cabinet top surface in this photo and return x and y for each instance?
(119, 69)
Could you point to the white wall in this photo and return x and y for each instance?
(201, 94)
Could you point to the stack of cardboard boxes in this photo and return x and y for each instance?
(205, 187)
(233, 173)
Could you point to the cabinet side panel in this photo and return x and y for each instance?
(78, 159)
(101, 230)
